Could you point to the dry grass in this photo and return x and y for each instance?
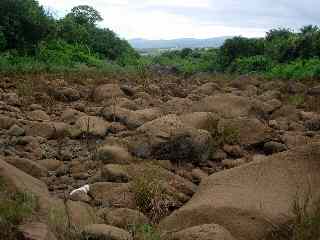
(150, 195)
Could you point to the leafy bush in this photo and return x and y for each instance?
(255, 64)
(149, 195)
(300, 69)
(24, 24)
(64, 54)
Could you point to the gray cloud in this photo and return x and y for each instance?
(198, 18)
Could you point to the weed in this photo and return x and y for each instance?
(15, 208)
(297, 100)
(221, 135)
(306, 222)
(150, 196)
(145, 232)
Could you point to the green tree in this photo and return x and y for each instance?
(85, 14)
(279, 33)
(72, 32)
(309, 29)
(239, 47)
(2, 41)
(24, 23)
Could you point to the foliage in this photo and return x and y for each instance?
(150, 195)
(85, 14)
(254, 64)
(24, 24)
(299, 69)
(145, 232)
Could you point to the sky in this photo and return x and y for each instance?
(170, 19)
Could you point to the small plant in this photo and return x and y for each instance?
(25, 88)
(150, 196)
(221, 135)
(306, 222)
(15, 208)
(145, 232)
(296, 100)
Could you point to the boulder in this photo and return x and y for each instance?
(315, 91)
(89, 125)
(107, 91)
(16, 131)
(245, 131)
(17, 180)
(39, 129)
(80, 214)
(274, 147)
(122, 217)
(202, 232)
(132, 119)
(114, 173)
(38, 115)
(206, 89)
(177, 106)
(168, 138)
(35, 231)
(200, 120)
(226, 105)
(113, 154)
(71, 115)
(30, 167)
(102, 231)
(6, 122)
(247, 199)
(66, 94)
(112, 194)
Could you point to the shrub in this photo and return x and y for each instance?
(255, 64)
(149, 195)
(299, 69)
(145, 232)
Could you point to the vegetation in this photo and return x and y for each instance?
(31, 40)
(15, 208)
(283, 54)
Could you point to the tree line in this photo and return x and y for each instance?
(28, 30)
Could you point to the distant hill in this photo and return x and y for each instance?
(140, 43)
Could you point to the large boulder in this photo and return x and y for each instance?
(168, 138)
(102, 231)
(227, 105)
(30, 167)
(132, 119)
(89, 125)
(35, 231)
(112, 194)
(80, 214)
(200, 120)
(123, 217)
(250, 200)
(107, 91)
(248, 131)
(17, 180)
(202, 232)
(113, 154)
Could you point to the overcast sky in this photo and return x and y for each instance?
(169, 19)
